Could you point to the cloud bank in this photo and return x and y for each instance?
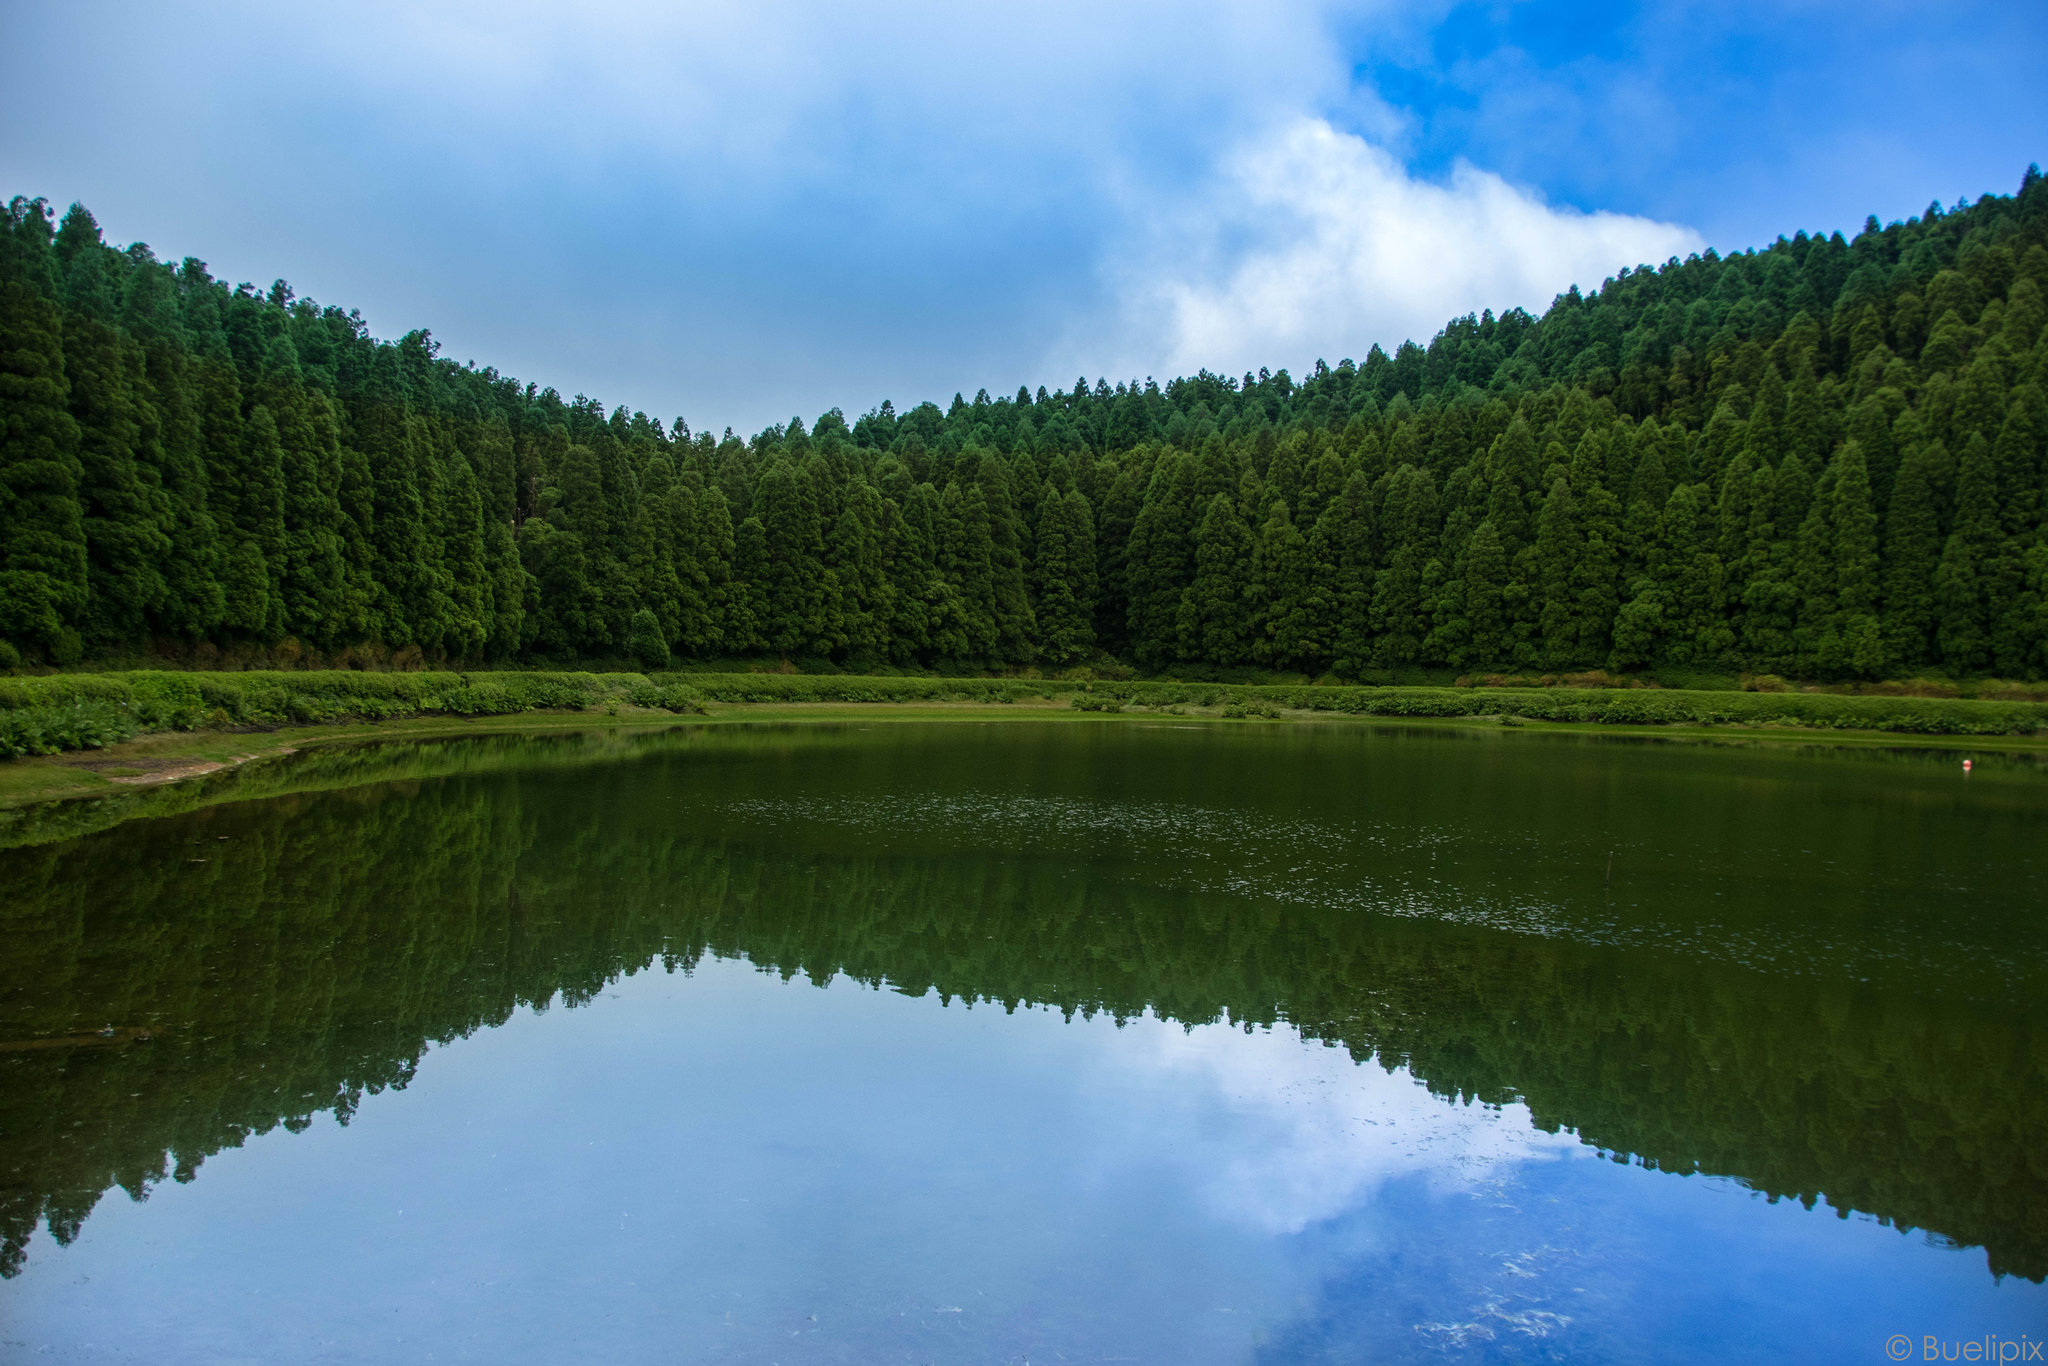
(1311, 242)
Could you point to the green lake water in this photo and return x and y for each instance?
(1118, 1041)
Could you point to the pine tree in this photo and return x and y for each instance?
(968, 630)
(1813, 582)
(2014, 603)
(194, 603)
(1779, 502)
(788, 514)
(470, 610)
(1008, 535)
(1065, 571)
(1409, 519)
(1345, 554)
(855, 554)
(1560, 547)
(255, 609)
(1160, 562)
(1486, 576)
(920, 594)
(1959, 588)
(1856, 644)
(314, 573)
(723, 625)
(1214, 621)
(1293, 629)
(1912, 554)
(124, 510)
(42, 531)
(747, 605)
(1689, 579)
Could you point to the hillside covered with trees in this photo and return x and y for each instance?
(1823, 459)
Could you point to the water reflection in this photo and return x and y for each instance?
(1819, 976)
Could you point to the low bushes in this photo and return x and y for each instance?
(1621, 706)
(86, 711)
(1605, 703)
(766, 687)
(44, 715)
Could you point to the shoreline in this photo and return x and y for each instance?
(166, 759)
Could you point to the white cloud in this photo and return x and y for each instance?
(1312, 242)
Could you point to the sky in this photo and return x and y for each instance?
(739, 212)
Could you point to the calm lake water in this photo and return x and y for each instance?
(1132, 1041)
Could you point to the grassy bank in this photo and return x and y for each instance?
(1594, 706)
(71, 712)
(59, 712)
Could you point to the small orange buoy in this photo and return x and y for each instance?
(1966, 765)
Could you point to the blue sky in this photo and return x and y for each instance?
(740, 211)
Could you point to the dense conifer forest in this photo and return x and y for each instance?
(1823, 459)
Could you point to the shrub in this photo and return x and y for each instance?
(77, 723)
(168, 702)
(644, 640)
(667, 697)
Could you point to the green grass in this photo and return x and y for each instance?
(60, 712)
(66, 712)
(1599, 706)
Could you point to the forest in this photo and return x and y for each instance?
(1822, 460)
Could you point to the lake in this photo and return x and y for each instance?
(1131, 1040)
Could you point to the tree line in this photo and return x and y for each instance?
(1825, 458)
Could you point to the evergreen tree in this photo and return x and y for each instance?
(1160, 561)
(693, 547)
(1486, 578)
(313, 576)
(1214, 621)
(1855, 643)
(1065, 570)
(43, 581)
(855, 552)
(969, 628)
(1560, 546)
(1015, 630)
(1409, 519)
(2014, 601)
(1959, 581)
(747, 604)
(1345, 554)
(794, 566)
(124, 510)
(1912, 555)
